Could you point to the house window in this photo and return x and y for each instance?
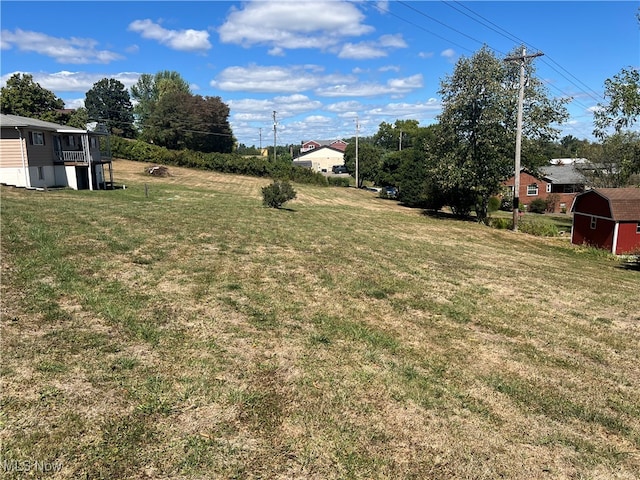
(532, 189)
(638, 228)
(93, 141)
(40, 173)
(71, 141)
(594, 223)
(548, 188)
(36, 138)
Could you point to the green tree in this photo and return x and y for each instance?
(109, 101)
(369, 161)
(150, 88)
(22, 96)
(615, 163)
(622, 108)
(182, 120)
(475, 150)
(398, 136)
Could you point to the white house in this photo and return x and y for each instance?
(320, 159)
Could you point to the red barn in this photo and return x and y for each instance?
(607, 218)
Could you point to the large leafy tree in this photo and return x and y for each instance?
(23, 96)
(149, 89)
(181, 120)
(109, 101)
(369, 161)
(622, 108)
(475, 150)
(614, 163)
(396, 136)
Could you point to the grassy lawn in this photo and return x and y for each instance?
(179, 329)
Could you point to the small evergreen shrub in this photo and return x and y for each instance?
(277, 194)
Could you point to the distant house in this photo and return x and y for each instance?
(321, 159)
(309, 145)
(607, 218)
(39, 154)
(558, 183)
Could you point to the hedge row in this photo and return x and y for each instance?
(219, 162)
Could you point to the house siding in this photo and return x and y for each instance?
(562, 199)
(11, 150)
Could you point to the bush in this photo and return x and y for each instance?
(276, 194)
(501, 223)
(338, 181)
(538, 228)
(538, 206)
(494, 204)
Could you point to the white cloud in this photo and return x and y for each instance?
(65, 81)
(372, 49)
(407, 110)
(188, 40)
(275, 79)
(249, 109)
(64, 50)
(449, 54)
(425, 54)
(360, 51)
(395, 86)
(346, 106)
(293, 25)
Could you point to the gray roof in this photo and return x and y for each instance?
(18, 121)
(563, 175)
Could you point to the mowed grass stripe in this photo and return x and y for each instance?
(180, 328)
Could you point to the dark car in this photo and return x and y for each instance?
(391, 192)
(339, 169)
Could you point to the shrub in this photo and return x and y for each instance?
(494, 204)
(538, 206)
(538, 228)
(338, 181)
(276, 194)
(500, 223)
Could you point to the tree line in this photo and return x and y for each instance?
(160, 109)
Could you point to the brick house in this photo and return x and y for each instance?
(558, 184)
(607, 218)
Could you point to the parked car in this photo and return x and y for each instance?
(390, 192)
(339, 169)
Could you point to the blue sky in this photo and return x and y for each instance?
(320, 64)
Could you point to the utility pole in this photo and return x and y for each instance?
(516, 187)
(260, 130)
(400, 142)
(275, 127)
(357, 173)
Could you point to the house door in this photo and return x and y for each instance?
(82, 178)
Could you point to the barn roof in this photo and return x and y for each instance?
(624, 202)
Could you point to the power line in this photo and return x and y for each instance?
(508, 35)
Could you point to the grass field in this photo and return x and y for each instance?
(182, 330)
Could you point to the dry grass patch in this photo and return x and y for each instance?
(184, 330)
